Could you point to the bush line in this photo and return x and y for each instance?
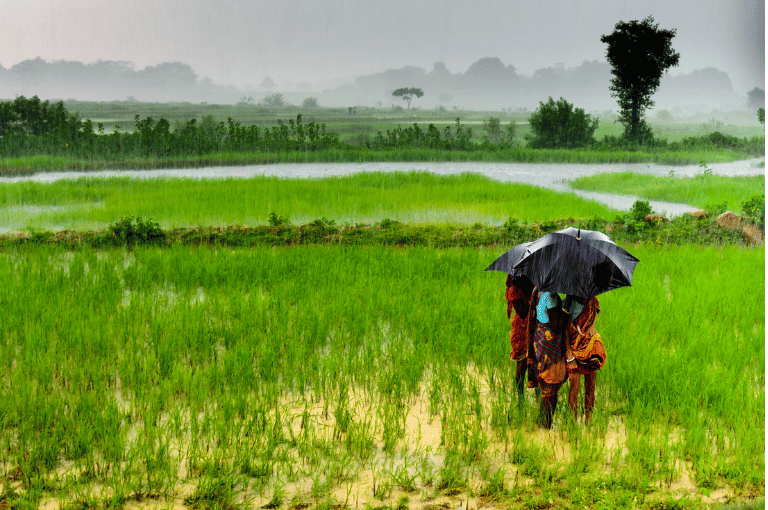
(684, 229)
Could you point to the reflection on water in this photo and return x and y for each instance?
(551, 176)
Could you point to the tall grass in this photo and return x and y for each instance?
(229, 377)
(24, 165)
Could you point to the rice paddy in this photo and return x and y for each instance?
(413, 197)
(328, 376)
(702, 190)
(357, 376)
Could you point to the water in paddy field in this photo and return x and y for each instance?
(545, 175)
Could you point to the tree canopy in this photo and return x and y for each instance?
(408, 93)
(639, 53)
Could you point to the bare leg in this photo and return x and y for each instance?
(532, 382)
(522, 366)
(573, 394)
(547, 410)
(589, 394)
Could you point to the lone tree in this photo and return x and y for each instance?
(639, 53)
(407, 94)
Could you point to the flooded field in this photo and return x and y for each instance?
(550, 176)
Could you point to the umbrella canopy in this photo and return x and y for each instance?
(577, 262)
(594, 235)
(508, 260)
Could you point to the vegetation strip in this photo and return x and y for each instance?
(32, 130)
(631, 227)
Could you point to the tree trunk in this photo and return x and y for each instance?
(634, 130)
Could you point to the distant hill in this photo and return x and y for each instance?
(488, 84)
(110, 80)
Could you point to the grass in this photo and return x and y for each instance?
(702, 190)
(25, 165)
(226, 378)
(339, 375)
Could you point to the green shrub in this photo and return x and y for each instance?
(559, 125)
(387, 223)
(130, 231)
(634, 220)
(276, 220)
(310, 103)
(273, 101)
(513, 228)
(754, 209)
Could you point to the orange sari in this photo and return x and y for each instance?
(585, 342)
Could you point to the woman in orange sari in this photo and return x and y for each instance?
(518, 295)
(585, 353)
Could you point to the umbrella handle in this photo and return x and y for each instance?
(567, 304)
(564, 330)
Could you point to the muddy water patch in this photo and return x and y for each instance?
(16, 217)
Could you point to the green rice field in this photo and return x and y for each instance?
(368, 121)
(413, 197)
(369, 377)
(701, 191)
(365, 377)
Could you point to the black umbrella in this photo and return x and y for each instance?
(577, 262)
(508, 260)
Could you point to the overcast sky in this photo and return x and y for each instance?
(242, 41)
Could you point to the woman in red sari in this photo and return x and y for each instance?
(518, 295)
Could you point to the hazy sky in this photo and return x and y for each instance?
(242, 41)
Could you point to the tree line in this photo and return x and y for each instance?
(32, 126)
(35, 127)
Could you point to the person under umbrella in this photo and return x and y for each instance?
(578, 263)
(585, 352)
(518, 296)
(546, 354)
